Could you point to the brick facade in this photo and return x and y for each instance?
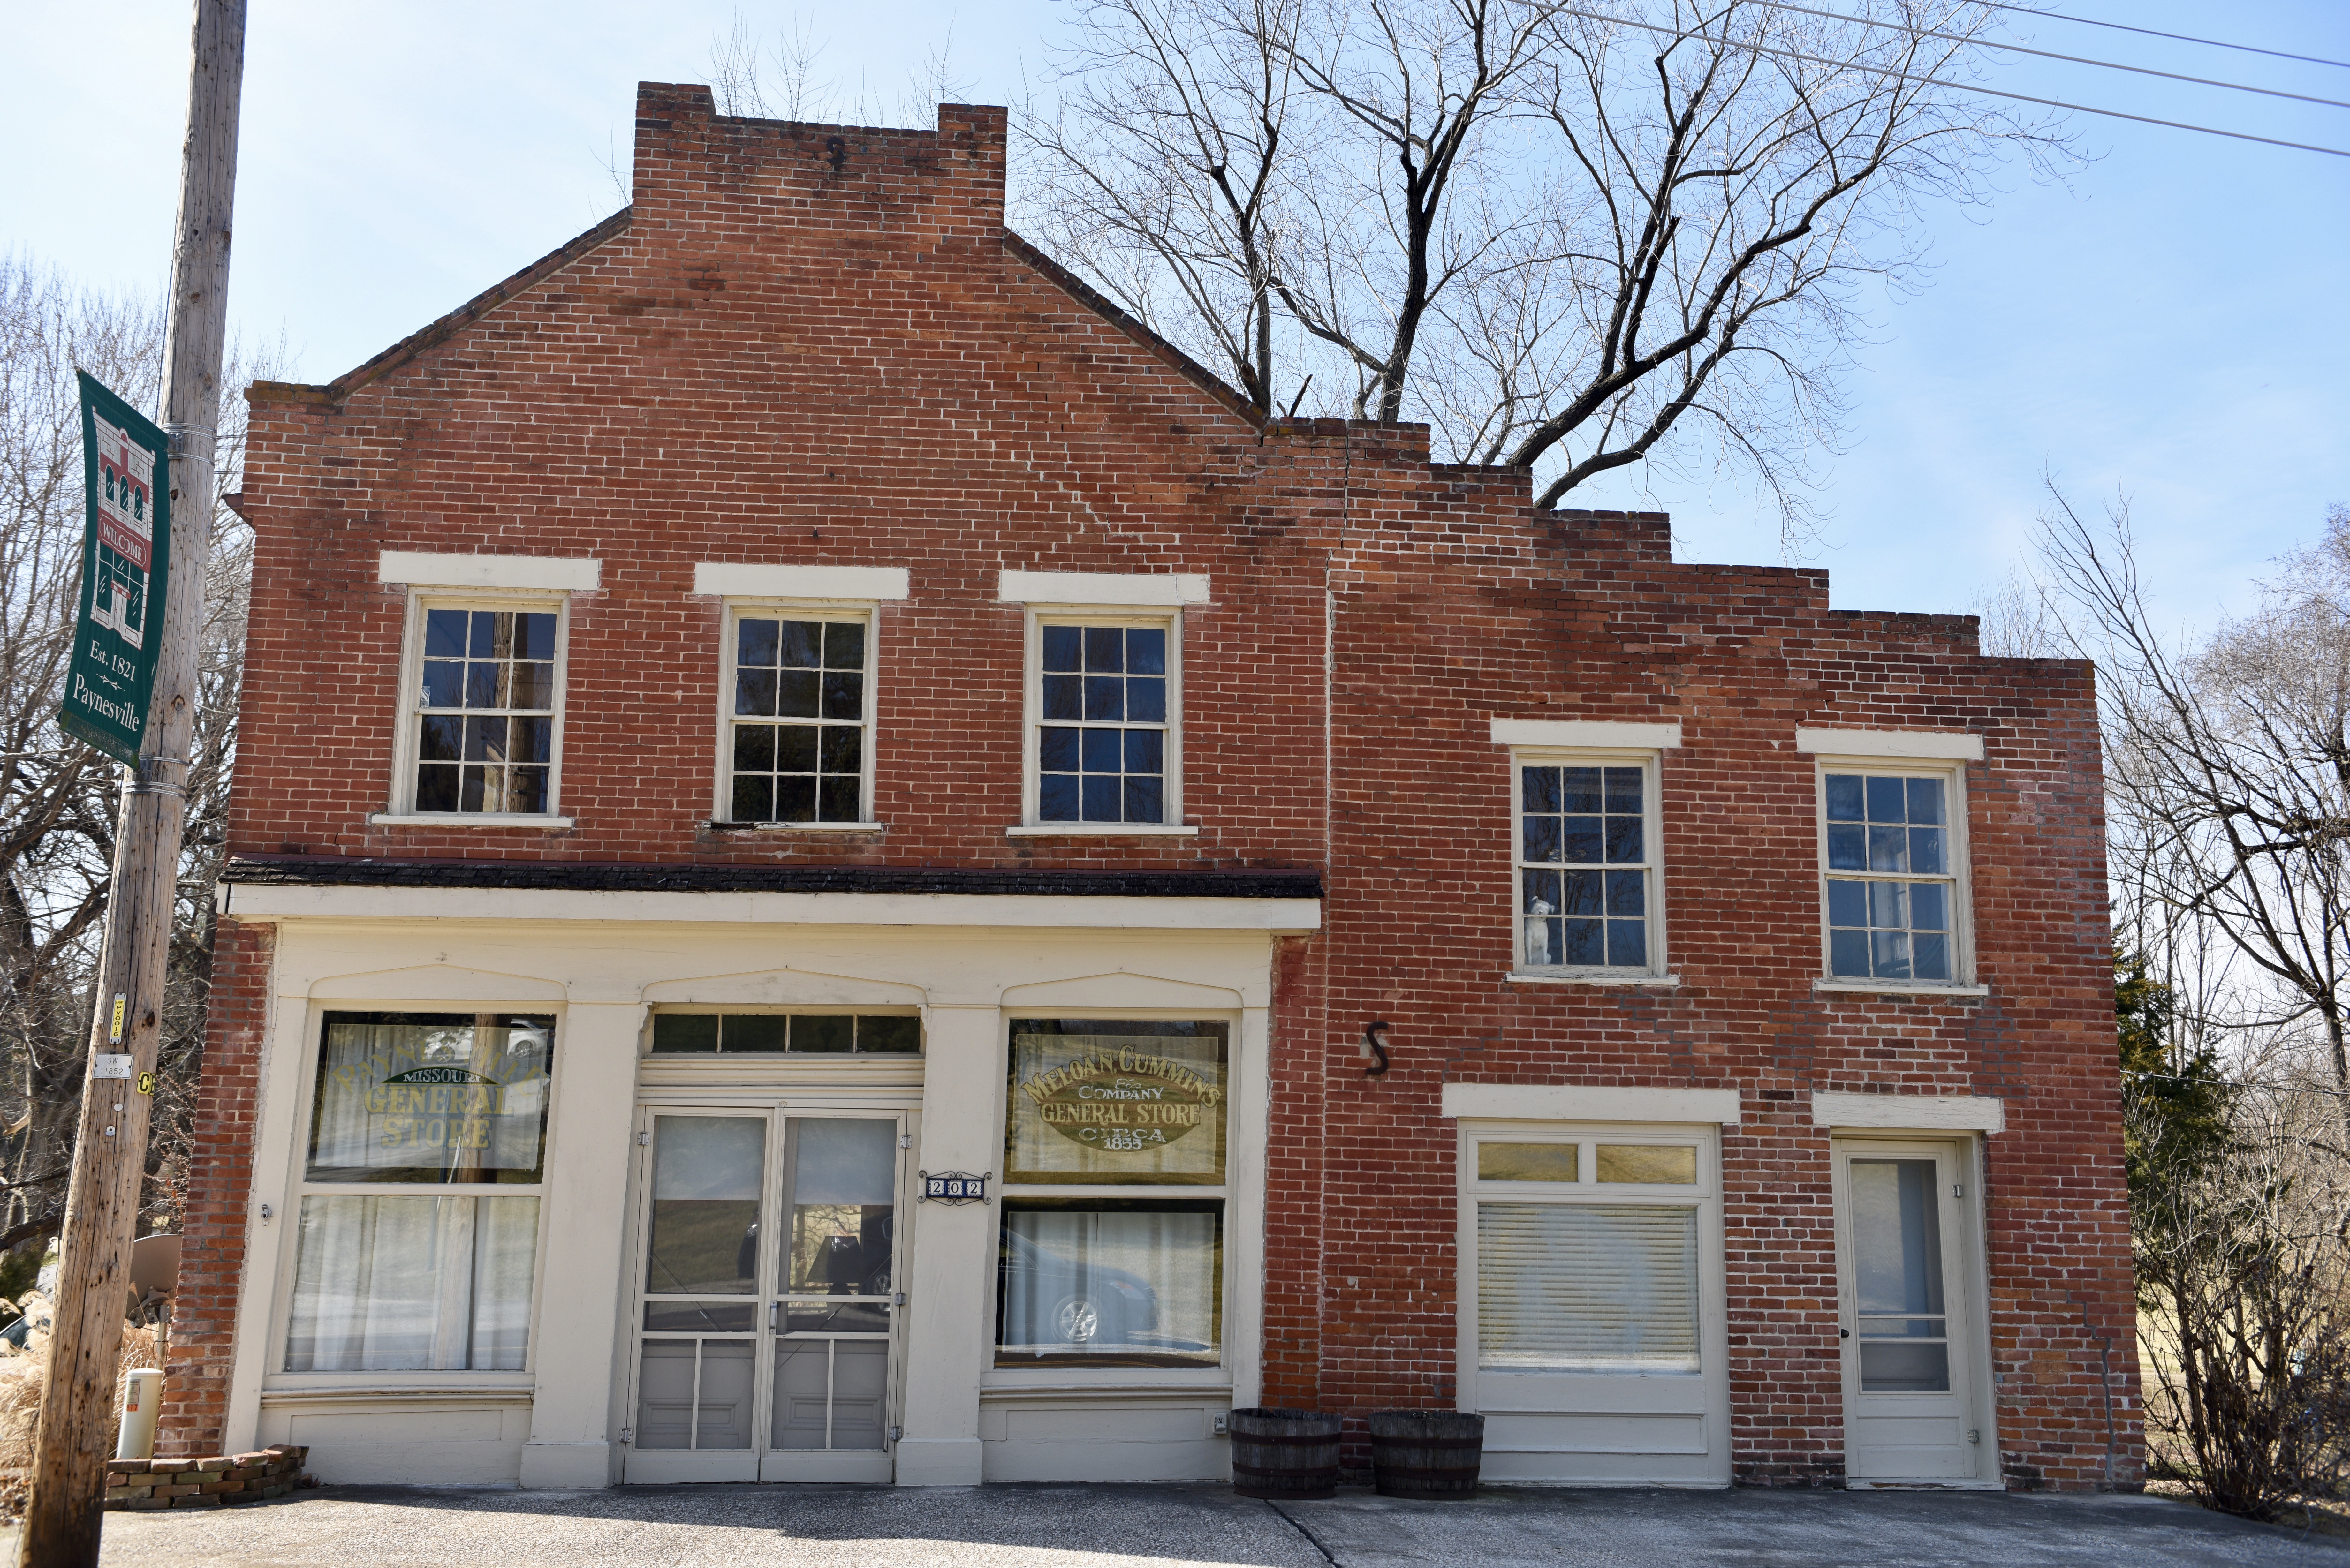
(819, 345)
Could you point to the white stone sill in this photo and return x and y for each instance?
(1898, 988)
(873, 827)
(468, 819)
(1657, 981)
(1099, 830)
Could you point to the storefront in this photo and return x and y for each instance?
(963, 1189)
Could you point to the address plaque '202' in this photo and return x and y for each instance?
(953, 1187)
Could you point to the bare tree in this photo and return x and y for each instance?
(780, 78)
(1570, 238)
(2229, 773)
(59, 799)
(2245, 1288)
(2017, 622)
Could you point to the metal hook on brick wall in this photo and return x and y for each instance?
(1371, 1048)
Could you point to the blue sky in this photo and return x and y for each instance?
(2170, 323)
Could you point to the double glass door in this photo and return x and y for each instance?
(768, 1246)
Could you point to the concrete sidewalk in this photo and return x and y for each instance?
(1065, 1526)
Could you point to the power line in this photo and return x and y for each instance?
(1964, 87)
(2149, 32)
(2047, 55)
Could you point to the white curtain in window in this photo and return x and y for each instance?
(1082, 1281)
(1586, 1288)
(412, 1284)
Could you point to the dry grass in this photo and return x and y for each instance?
(20, 1405)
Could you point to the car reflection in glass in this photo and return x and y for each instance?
(853, 1266)
(1051, 1302)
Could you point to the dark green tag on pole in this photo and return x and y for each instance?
(126, 549)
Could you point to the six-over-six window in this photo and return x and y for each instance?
(1891, 885)
(1586, 864)
(797, 718)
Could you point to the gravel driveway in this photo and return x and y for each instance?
(1163, 1526)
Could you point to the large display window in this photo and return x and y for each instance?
(1091, 1270)
(436, 1282)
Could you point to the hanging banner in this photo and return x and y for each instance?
(125, 550)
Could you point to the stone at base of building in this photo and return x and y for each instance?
(215, 1482)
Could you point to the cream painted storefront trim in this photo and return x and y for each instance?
(558, 1423)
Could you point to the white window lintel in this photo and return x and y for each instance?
(762, 580)
(1159, 589)
(1910, 1113)
(1597, 734)
(1945, 745)
(544, 574)
(1573, 1103)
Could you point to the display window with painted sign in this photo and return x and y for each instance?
(413, 1281)
(1133, 1102)
(1090, 1272)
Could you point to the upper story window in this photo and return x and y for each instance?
(800, 696)
(1893, 848)
(1587, 864)
(484, 730)
(1105, 732)
(479, 735)
(1587, 852)
(1104, 739)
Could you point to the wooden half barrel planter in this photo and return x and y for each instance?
(1431, 1454)
(1284, 1455)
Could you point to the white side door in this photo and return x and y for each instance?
(1592, 1331)
(1913, 1351)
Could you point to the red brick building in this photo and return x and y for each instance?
(792, 703)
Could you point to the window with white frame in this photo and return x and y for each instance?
(484, 730)
(1105, 743)
(449, 1112)
(1586, 1249)
(797, 734)
(1111, 1244)
(1588, 862)
(1892, 848)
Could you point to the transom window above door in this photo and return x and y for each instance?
(709, 1032)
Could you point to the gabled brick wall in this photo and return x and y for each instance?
(816, 345)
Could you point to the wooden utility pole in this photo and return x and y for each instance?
(68, 1478)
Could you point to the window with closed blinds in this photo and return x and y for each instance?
(1586, 1287)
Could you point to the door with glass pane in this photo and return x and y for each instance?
(1910, 1353)
(766, 1321)
(1591, 1329)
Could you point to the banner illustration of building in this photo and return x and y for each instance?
(126, 534)
(126, 559)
